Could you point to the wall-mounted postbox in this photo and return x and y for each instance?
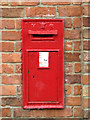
(43, 63)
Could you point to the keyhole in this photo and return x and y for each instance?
(33, 76)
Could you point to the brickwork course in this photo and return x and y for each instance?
(76, 15)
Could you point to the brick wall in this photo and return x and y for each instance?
(76, 16)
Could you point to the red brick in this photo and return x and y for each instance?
(77, 22)
(12, 57)
(73, 101)
(86, 33)
(11, 35)
(70, 57)
(18, 68)
(12, 12)
(41, 12)
(85, 91)
(68, 67)
(86, 56)
(18, 24)
(68, 45)
(7, 68)
(86, 45)
(19, 90)
(86, 21)
(77, 45)
(3, 2)
(72, 34)
(24, 2)
(68, 23)
(77, 90)
(8, 90)
(6, 112)
(86, 102)
(77, 112)
(0, 68)
(85, 79)
(72, 79)
(58, 113)
(69, 11)
(18, 46)
(7, 46)
(7, 24)
(55, 2)
(77, 67)
(11, 79)
(86, 10)
(11, 101)
(18, 112)
(68, 89)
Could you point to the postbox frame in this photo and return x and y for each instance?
(40, 105)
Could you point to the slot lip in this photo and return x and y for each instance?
(48, 32)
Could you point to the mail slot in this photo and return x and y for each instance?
(43, 63)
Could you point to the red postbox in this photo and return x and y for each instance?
(43, 63)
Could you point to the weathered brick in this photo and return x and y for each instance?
(85, 1)
(72, 79)
(77, 67)
(85, 79)
(11, 79)
(68, 67)
(86, 21)
(12, 12)
(68, 23)
(77, 90)
(18, 68)
(86, 45)
(77, 45)
(57, 113)
(11, 57)
(6, 112)
(73, 101)
(19, 90)
(68, 45)
(68, 89)
(24, 2)
(70, 57)
(3, 2)
(18, 46)
(11, 35)
(8, 90)
(18, 24)
(41, 11)
(86, 56)
(7, 24)
(76, 2)
(86, 68)
(86, 10)
(69, 11)
(11, 101)
(19, 112)
(55, 2)
(86, 33)
(86, 113)
(7, 68)
(86, 102)
(0, 68)
(85, 91)
(7, 46)
(72, 34)
(77, 22)
(77, 112)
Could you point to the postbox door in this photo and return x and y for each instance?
(43, 80)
